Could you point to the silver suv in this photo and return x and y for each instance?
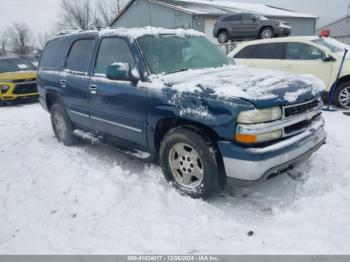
(247, 25)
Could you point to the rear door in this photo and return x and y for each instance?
(306, 59)
(118, 108)
(249, 25)
(75, 81)
(234, 25)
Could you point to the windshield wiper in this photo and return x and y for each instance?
(180, 70)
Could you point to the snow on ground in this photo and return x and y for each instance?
(91, 199)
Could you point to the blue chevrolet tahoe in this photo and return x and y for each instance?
(172, 97)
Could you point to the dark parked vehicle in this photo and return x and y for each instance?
(246, 25)
(173, 96)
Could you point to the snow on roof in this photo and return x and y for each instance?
(133, 33)
(222, 6)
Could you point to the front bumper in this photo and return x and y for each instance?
(247, 166)
(284, 31)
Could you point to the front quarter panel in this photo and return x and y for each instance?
(218, 115)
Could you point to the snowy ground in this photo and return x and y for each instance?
(91, 199)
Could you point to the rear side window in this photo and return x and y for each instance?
(232, 18)
(79, 56)
(54, 55)
(246, 52)
(269, 51)
(113, 50)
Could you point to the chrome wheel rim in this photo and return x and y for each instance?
(222, 38)
(344, 97)
(60, 125)
(266, 34)
(186, 165)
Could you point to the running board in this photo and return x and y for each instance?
(94, 140)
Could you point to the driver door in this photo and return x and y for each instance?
(302, 58)
(118, 108)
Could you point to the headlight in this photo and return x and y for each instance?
(258, 138)
(259, 116)
(4, 89)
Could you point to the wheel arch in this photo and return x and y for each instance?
(163, 125)
(51, 98)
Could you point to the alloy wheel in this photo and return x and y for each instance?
(344, 97)
(186, 165)
(60, 125)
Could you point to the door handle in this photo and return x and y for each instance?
(93, 89)
(63, 83)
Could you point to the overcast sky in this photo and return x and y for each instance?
(42, 14)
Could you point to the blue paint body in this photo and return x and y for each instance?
(131, 113)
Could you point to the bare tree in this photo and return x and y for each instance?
(77, 14)
(20, 40)
(42, 39)
(3, 44)
(106, 10)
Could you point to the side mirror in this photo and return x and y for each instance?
(119, 71)
(327, 58)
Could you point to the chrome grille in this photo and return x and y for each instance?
(299, 109)
(25, 88)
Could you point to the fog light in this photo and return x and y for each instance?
(4, 89)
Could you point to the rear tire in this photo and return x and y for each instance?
(62, 125)
(189, 161)
(342, 95)
(266, 33)
(223, 37)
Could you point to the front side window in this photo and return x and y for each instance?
(300, 51)
(112, 50)
(269, 51)
(15, 65)
(79, 56)
(170, 53)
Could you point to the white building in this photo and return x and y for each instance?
(339, 29)
(202, 14)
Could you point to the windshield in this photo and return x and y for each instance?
(15, 65)
(332, 44)
(169, 53)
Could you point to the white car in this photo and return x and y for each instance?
(314, 55)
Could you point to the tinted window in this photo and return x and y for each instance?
(299, 51)
(112, 50)
(246, 52)
(54, 55)
(268, 51)
(232, 18)
(248, 17)
(79, 55)
(15, 65)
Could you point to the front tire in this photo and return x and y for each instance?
(342, 95)
(62, 125)
(266, 33)
(189, 161)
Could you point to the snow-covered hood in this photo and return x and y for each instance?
(264, 88)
